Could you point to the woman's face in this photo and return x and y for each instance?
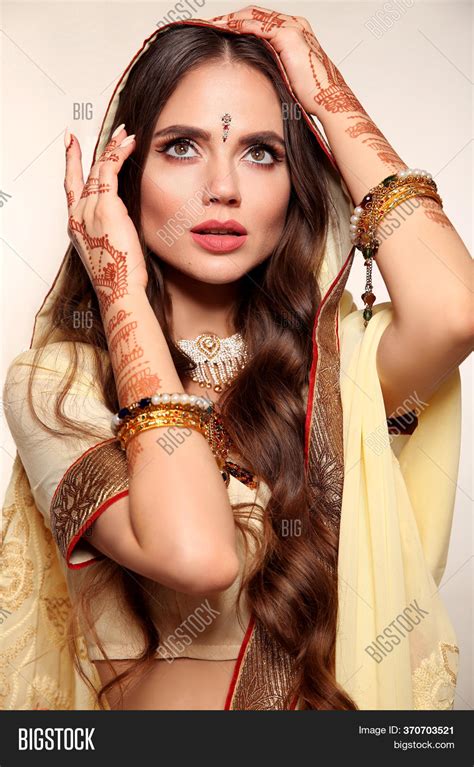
(190, 179)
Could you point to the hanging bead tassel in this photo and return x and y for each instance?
(368, 297)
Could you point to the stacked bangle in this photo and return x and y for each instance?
(177, 409)
(153, 419)
(188, 401)
(392, 191)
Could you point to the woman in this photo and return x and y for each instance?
(284, 585)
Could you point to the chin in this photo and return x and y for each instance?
(219, 276)
(216, 269)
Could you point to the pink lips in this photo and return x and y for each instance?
(220, 243)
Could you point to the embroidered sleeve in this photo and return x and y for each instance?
(98, 478)
(73, 477)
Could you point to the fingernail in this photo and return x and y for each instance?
(117, 130)
(67, 139)
(127, 140)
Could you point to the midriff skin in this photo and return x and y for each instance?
(183, 683)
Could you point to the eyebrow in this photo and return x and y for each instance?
(199, 133)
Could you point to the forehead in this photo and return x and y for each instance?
(211, 90)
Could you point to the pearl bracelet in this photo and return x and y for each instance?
(188, 401)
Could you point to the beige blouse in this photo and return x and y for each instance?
(74, 480)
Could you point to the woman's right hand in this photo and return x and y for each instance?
(99, 226)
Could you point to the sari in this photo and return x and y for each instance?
(389, 497)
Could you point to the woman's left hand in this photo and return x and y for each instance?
(316, 82)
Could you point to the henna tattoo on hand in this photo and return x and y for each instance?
(269, 19)
(115, 321)
(133, 381)
(110, 158)
(137, 383)
(334, 95)
(108, 148)
(94, 186)
(110, 279)
(234, 24)
(375, 140)
(123, 346)
(70, 199)
(435, 213)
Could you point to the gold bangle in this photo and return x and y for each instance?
(153, 419)
(401, 195)
(366, 217)
(383, 200)
(209, 424)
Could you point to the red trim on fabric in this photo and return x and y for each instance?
(312, 376)
(337, 331)
(86, 525)
(238, 663)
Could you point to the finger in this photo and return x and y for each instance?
(110, 165)
(268, 19)
(94, 186)
(73, 178)
(304, 23)
(115, 139)
(252, 26)
(266, 16)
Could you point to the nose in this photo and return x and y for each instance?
(221, 184)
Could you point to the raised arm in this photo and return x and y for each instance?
(176, 526)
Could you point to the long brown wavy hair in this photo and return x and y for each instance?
(291, 586)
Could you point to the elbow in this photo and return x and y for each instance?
(198, 572)
(209, 572)
(467, 329)
(461, 323)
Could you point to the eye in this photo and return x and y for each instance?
(181, 147)
(264, 154)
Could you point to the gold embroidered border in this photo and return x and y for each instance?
(326, 449)
(265, 675)
(98, 475)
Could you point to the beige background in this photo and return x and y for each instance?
(412, 74)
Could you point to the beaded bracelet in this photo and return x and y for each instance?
(392, 191)
(187, 401)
